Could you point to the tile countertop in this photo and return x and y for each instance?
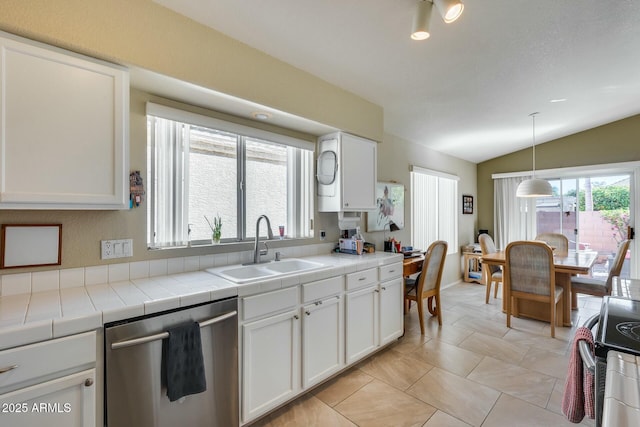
(70, 308)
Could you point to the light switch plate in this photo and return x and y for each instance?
(121, 248)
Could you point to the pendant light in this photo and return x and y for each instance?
(534, 187)
(449, 9)
(421, 18)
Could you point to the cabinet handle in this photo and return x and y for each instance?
(8, 368)
(308, 313)
(88, 382)
(362, 278)
(337, 296)
(384, 289)
(377, 290)
(295, 316)
(391, 271)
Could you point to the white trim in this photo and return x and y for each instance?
(425, 171)
(568, 172)
(210, 122)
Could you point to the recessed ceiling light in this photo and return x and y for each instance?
(261, 115)
(558, 100)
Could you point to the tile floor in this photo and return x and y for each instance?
(473, 371)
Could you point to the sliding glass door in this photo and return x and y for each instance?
(594, 212)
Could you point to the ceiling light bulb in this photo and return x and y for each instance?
(449, 9)
(421, 20)
(420, 35)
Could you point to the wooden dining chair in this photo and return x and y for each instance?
(559, 242)
(598, 287)
(427, 284)
(530, 276)
(493, 273)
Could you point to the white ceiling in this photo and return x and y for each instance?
(469, 89)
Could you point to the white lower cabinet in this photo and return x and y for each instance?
(391, 316)
(361, 323)
(322, 340)
(68, 401)
(271, 362)
(294, 338)
(50, 383)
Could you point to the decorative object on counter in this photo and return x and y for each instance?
(392, 245)
(136, 184)
(369, 248)
(389, 207)
(534, 187)
(467, 204)
(351, 246)
(30, 245)
(281, 231)
(216, 229)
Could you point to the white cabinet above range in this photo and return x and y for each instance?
(346, 173)
(64, 122)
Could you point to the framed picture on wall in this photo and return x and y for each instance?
(467, 204)
(390, 208)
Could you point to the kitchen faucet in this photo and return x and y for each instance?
(256, 251)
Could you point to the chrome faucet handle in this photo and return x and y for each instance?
(265, 250)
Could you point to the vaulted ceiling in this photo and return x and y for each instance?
(468, 90)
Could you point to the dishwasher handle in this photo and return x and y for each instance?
(586, 354)
(163, 335)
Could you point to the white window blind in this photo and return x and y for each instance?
(434, 213)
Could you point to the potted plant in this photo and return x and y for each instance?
(216, 229)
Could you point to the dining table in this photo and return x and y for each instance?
(575, 262)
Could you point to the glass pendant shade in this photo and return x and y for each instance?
(449, 9)
(420, 30)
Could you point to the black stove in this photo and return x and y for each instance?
(619, 327)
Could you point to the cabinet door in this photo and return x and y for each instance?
(391, 316)
(361, 323)
(271, 365)
(322, 340)
(64, 140)
(358, 173)
(64, 402)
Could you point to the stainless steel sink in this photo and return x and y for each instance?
(254, 272)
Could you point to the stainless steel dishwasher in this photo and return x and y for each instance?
(134, 390)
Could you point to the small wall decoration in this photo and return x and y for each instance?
(390, 207)
(28, 245)
(467, 204)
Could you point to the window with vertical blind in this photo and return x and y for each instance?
(200, 166)
(434, 211)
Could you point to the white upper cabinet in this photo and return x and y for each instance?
(346, 173)
(64, 126)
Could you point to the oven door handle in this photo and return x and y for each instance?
(586, 354)
(163, 335)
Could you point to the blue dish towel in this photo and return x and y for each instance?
(183, 361)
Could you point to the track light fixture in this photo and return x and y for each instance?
(421, 20)
(450, 10)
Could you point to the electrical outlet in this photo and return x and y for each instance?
(110, 249)
(323, 235)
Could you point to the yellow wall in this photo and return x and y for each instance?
(144, 34)
(611, 143)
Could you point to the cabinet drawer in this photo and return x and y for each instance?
(362, 278)
(321, 289)
(46, 358)
(391, 271)
(270, 303)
